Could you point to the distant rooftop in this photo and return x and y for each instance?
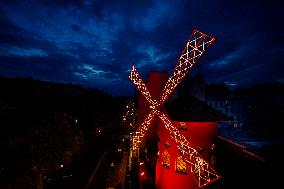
(188, 108)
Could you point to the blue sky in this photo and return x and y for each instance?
(94, 43)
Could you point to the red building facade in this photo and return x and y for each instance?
(171, 170)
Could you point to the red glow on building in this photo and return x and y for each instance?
(182, 156)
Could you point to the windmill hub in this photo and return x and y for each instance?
(156, 105)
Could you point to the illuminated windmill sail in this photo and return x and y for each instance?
(195, 47)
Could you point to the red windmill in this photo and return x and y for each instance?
(198, 43)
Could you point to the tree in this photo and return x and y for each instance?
(53, 144)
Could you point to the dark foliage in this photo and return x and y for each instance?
(45, 126)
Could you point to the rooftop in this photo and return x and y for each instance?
(188, 108)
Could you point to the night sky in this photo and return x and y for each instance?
(94, 43)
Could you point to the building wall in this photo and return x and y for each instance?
(202, 136)
(235, 107)
(155, 84)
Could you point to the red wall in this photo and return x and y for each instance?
(155, 84)
(168, 179)
(199, 134)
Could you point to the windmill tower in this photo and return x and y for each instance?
(199, 168)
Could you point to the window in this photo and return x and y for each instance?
(212, 155)
(182, 126)
(238, 117)
(199, 149)
(167, 144)
(180, 166)
(226, 110)
(237, 110)
(166, 159)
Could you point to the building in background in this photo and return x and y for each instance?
(236, 107)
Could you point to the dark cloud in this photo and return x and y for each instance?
(49, 67)
(94, 43)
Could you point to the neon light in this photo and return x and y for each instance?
(194, 49)
(141, 131)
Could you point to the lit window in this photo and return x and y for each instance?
(182, 126)
(212, 155)
(199, 149)
(166, 159)
(213, 146)
(180, 166)
(167, 144)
